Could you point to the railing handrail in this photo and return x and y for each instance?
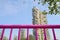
(29, 26)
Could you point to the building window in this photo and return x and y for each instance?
(45, 21)
(44, 17)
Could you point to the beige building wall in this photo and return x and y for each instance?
(39, 19)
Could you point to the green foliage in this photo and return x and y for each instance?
(5, 38)
(0, 33)
(44, 12)
(53, 6)
(31, 37)
(15, 37)
(23, 38)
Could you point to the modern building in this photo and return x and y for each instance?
(23, 33)
(39, 19)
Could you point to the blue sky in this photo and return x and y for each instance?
(20, 12)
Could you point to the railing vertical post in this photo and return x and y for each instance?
(19, 34)
(27, 34)
(54, 34)
(2, 33)
(36, 35)
(45, 34)
(10, 34)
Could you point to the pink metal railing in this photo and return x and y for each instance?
(19, 34)
(28, 26)
(45, 34)
(10, 34)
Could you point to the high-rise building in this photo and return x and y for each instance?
(39, 19)
(23, 35)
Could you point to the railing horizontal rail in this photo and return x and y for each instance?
(29, 26)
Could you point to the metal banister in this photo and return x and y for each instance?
(27, 27)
